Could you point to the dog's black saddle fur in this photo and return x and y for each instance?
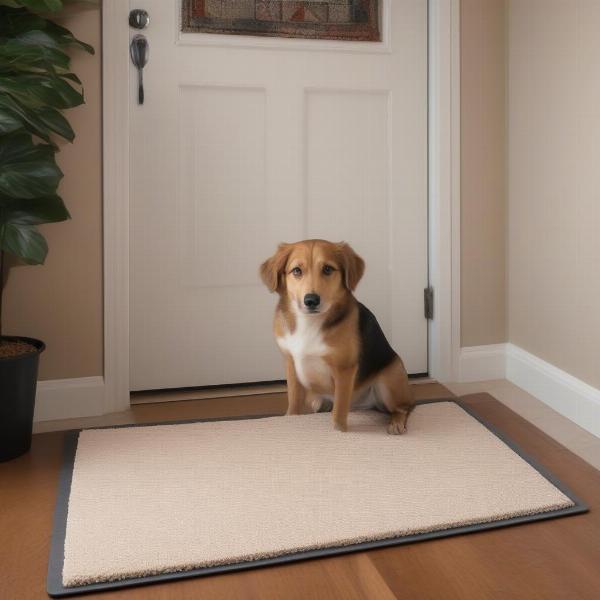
(375, 351)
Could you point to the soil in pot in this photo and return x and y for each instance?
(12, 349)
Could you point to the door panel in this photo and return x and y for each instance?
(222, 157)
(243, 144)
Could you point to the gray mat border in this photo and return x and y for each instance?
(56, 589)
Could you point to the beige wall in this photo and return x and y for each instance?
(61, 302)
(483, 172)
(554, 183)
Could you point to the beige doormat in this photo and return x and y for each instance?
(150, 500)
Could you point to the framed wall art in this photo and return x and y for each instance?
(316, 19)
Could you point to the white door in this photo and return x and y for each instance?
(245, 142)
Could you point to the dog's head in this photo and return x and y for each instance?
(314, 274)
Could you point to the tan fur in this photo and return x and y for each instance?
(299, 269)
(400, 399)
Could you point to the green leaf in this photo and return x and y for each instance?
(15, 22)
(37, 91)
(9, 122)
(33, 211)
(27, 170)
(10, 116)
(65, 37)
(37, 38)
(16, 55)
(70, 76)
(35, 5)
(54, 120)
(24, 241)
(41, 122)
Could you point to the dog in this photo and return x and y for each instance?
(337, 356)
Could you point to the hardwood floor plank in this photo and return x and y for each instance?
(350, 577)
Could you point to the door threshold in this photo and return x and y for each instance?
(205, 393)
(421, 379)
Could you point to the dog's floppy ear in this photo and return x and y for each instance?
(271, 270)
(353, 265)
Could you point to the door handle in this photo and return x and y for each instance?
(138, 50)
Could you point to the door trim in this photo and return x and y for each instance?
(443, 201)
(115, 131)
(444, 188)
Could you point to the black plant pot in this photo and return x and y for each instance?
(18, 379)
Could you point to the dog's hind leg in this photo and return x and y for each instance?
(398, 422)
(396, 395)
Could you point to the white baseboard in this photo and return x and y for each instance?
(563, 392)
(69, 398)
(566, 394)
(479, 363)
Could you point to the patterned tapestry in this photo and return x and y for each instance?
(318, 19)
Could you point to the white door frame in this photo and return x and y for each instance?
(444, 194)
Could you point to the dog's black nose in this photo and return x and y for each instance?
(312, 300)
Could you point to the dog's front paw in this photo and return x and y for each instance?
(340, 425)
(396, 428)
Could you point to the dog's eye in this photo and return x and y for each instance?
(328, 270)
(297, 271)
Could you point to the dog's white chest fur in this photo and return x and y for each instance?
(307, 348)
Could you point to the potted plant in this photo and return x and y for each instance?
(36, 85)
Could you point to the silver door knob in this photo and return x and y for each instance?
(138, 18)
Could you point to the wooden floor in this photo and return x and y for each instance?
(557, 559)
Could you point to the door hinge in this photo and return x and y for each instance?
(428, 302)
